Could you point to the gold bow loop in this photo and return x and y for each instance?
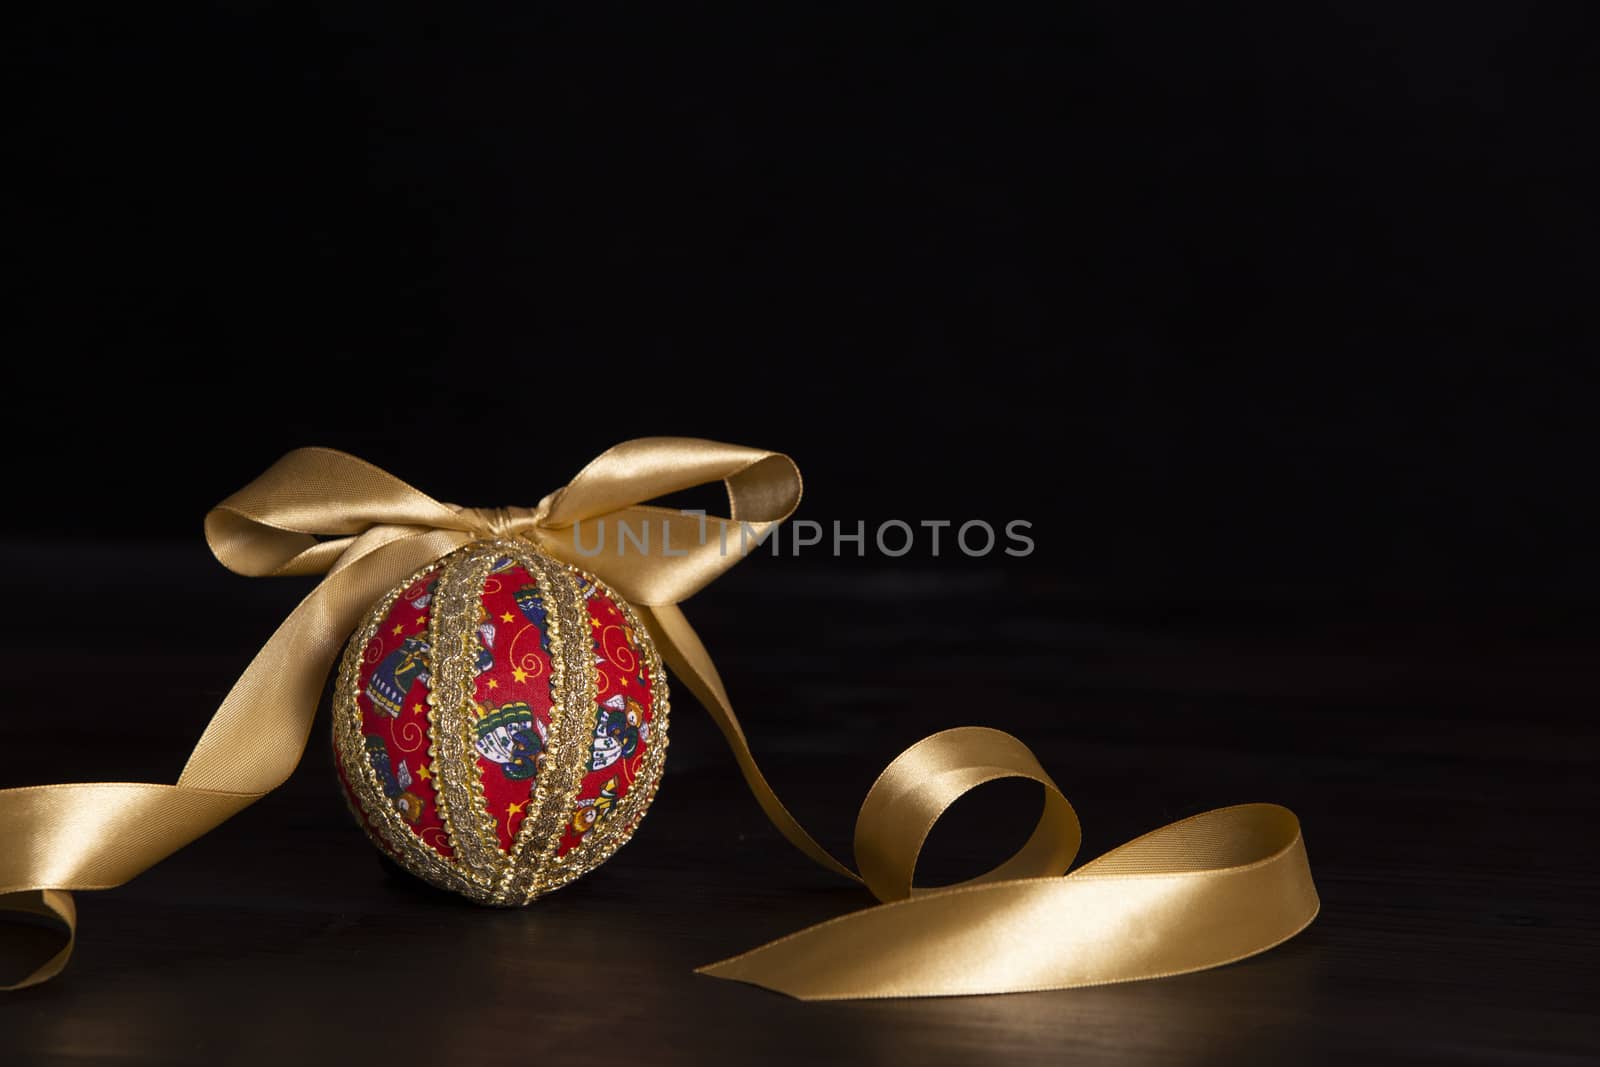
(317, 510)
(1195, 894)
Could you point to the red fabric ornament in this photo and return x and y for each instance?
(500, 723)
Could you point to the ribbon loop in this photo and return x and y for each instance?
(763, 487)
(272, 526)
(925, 780)
(305, 512)
(657, 556)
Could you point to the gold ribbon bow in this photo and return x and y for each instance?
(1197, 893)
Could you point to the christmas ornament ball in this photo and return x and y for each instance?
(500, 722)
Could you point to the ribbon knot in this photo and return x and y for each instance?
(504, 522)
(1195, 894)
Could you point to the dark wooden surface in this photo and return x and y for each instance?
(1441, 758)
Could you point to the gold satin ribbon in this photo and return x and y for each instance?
(1195, 894)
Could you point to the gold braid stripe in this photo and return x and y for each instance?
(613, 832)
(548, 809)
(454, 627)
(394, 836)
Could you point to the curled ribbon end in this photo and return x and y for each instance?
(38, 929)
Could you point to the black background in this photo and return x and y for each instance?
(1249, 300)
(1275, 321)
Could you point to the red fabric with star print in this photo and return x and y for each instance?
(512, 695)
(404, 734)
(510, 629)
(625, 690)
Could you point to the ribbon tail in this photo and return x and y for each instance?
(1196, 894)
(1207, 891)
(95, 835)
(57, 908)
(681, 649)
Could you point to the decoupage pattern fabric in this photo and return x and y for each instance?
(545, 764)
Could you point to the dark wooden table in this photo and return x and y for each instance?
(1441, 759)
